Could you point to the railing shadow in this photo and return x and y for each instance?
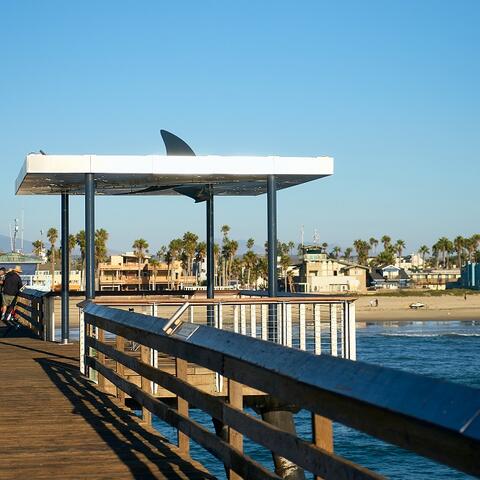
(118, 428)
(8, 331)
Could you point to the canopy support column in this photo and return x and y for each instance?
(65, 269)
(89, 236)
(272, 255)
(210, 255)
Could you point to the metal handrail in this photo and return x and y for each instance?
(434, 418)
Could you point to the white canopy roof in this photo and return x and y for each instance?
(165, 175)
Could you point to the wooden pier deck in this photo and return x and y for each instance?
(56, 424)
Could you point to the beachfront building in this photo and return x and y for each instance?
(389, 277)
(435, 278)
(124, 272)
(470, 277)
(320, 274)
(42, 280)
(410, 262)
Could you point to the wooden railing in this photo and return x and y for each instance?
(36, 310)
(433, 418)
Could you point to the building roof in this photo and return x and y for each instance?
(18, 258)
(165, 175)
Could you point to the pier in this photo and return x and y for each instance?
(56, 412)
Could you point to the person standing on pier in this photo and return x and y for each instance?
(12, 284)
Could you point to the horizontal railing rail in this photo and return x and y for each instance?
(436, 419)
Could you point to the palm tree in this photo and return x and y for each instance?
(101, 237)
(459, 244)
(216, 258)
(38, 247)
(373, 244)
(361, 247)
(140, 247)
(386, 240)
(250, 243)
(423, 251)
(174, 251)
(80, 238)
(250, 260)
(336, 251)
(347, 253)
(399, 246)
(161, 253)
(444, 245)
(325, 246)
(52, 236)
(225, 231)
(189, 244)
(154, 263)
(291, 246)
(200, 255)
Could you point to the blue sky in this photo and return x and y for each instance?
(389, 89)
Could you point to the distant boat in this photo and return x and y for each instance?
(417, 305)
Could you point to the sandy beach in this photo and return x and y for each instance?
(397, 308)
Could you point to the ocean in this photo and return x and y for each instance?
(447, 350)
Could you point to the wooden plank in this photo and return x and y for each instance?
(61, 415)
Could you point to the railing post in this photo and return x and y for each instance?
(218, 324)
(302, 327)
(82, 335)
(288, 322)
(49, 318)
(101, 359)
(243, 320)
(264, 320)
(235, 399)
(333, 329)
(253, 321)
(322, 433)
(145, 383)
(317, 329)
(181, 369)
(351, 332)
(235, 318)
(119, 367)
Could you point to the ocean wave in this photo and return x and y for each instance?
(430, 335)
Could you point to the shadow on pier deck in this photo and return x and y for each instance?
(54, 423)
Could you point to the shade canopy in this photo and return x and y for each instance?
(166, 175)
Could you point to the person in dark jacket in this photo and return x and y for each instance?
(12, 284)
